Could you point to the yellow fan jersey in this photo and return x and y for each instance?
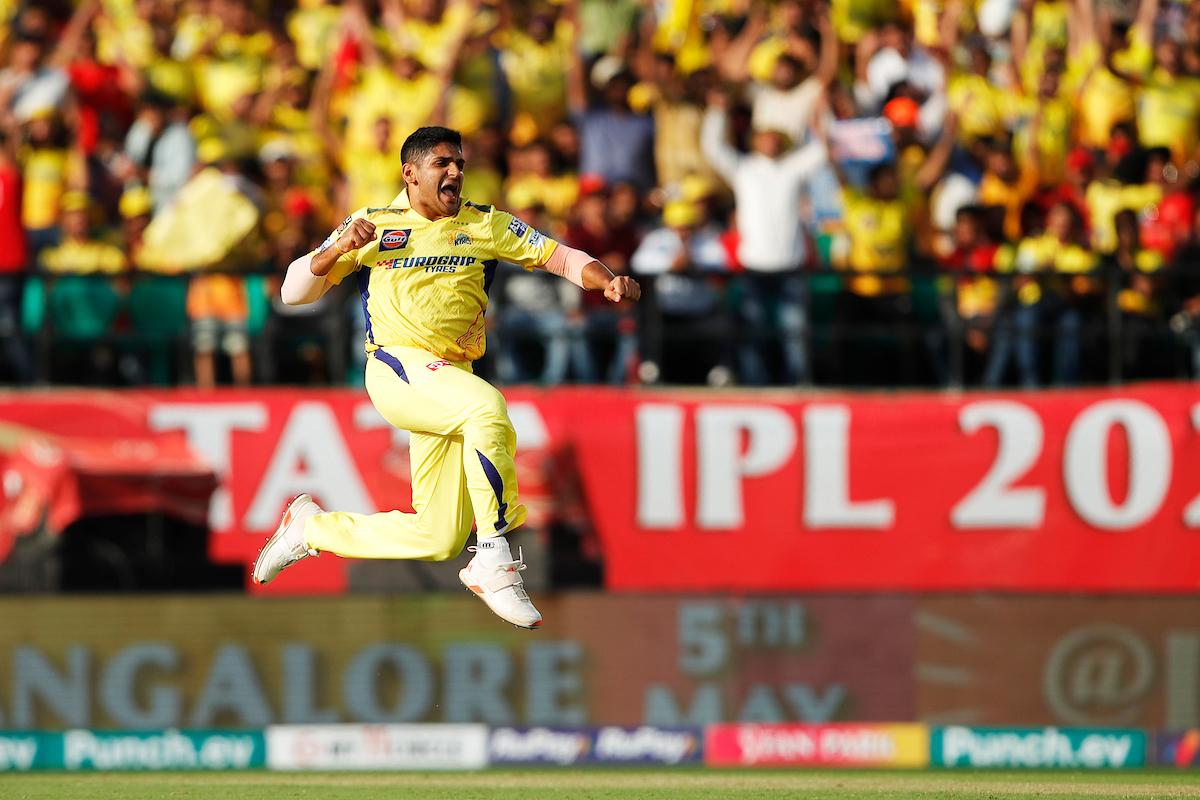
(424, 283)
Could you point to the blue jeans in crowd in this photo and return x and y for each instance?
(772, 310)
(602, 326)
(551, 329)
(1016, 336)
(18, 361)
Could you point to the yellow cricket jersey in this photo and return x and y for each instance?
(980, 106)
(1105, 99)
(1046, 253)
(424, 283)
(46, 172)
(1134, 299)
(1168, 109)
(1106, 198)
(1053, 135)
(372, 173)
(878, 231)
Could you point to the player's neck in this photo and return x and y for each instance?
(426, 211)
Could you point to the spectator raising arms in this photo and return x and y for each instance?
(768, 187)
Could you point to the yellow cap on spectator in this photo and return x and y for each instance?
(135, 202)
(35, 113)
(211, 150)
(642, 96)
(696, 187)
(76, 201)
(524, 129)
(681, 214)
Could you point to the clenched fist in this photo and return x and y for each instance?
(355, 234)
(358, 234)
(621, 288)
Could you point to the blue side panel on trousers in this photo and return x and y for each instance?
(392, 362)
(493, 476)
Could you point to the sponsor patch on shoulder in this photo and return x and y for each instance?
(518, 227)
(394, 239)
(535, 239)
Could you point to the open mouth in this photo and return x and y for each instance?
(450, 193)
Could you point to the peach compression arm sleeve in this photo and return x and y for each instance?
(567, 262)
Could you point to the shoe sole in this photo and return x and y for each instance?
(254, 574)
(288, 516)
(478, 592)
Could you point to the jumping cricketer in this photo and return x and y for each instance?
(423, 266)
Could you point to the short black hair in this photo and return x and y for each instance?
(155, 98)
(422, 140)
(879, 170)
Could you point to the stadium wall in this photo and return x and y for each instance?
(199, 662)
(1087, 490)
(901, 580)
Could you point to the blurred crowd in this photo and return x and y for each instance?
(852, 192)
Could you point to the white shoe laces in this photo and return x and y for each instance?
(512, 566)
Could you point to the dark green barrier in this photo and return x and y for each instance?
(1088, 748)
(21, 751)
(171, 749)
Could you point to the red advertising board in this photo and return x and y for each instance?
(1091, 490)
(834, 745)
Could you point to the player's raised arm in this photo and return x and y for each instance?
(309, 276)
(588, 273)
(517, 243)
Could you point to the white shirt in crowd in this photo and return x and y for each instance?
(786, 110)
(768, 193)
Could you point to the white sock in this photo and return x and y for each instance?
(492, 551)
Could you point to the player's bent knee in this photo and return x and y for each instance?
(492, 406)
(445, 552)
(491, 418)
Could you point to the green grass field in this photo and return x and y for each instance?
(603, 784)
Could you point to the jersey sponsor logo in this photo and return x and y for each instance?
(429, 263)
(345, 224)
(436, 365)
(535, 239)
(518, 227)
(459, 238)
(328, 243)
(394, 239)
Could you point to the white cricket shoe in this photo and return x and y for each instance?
(503, 590)
(286, 546)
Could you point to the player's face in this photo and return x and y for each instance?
(437, 179)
